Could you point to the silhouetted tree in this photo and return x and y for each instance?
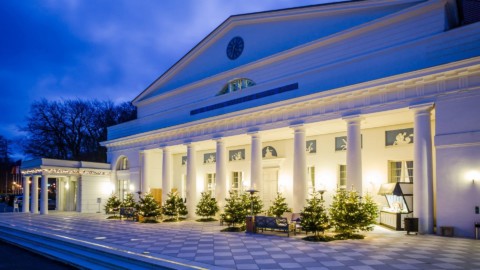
(72, 129)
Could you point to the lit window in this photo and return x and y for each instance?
(210, 188)
(122, 164)
(342, 176)
(400, 171)
(235, 85)
(236, 181)
(311, 178)
(122, 189)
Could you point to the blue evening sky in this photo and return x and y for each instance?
(103, 49)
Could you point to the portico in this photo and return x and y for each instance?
(64, 185)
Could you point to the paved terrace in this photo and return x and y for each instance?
(201, 245)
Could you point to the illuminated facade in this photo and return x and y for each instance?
(346, 95)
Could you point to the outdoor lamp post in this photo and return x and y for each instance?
(321, 193)
(250, 221)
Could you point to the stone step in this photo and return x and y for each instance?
(84, 255)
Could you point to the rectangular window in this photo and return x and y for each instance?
(210, 188)
(311, 179)
(237, 178)
(400, 171)
(342, 176)
(122, 189)
(184, 186)
(409, 164)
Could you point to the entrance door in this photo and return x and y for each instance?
(269, 186)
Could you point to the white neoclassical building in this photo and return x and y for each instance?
(347, 95)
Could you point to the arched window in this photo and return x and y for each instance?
(235, 85)
(122, 164)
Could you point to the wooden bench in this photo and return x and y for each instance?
(273, 223)
(128, 212)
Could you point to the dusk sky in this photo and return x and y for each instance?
(102, 49)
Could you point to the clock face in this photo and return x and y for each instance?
(235, 48)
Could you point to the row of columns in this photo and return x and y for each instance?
(300, 187)
(423, 184)
(33, 207)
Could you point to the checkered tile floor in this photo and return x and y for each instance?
(203, 243)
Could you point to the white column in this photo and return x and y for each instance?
(220, 172)
(354, 153)
(191, 181)
(34, 205)
(26, 194)
(44, 196)
(71, 204)
(144, 179)
(61, 193)
(256, 162)
(166, 173)
(67, 198)
(422, 168)
(300, 186)
(79, 194)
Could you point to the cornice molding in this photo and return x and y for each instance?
(401, 91)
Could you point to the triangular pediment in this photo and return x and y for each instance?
(265, 35)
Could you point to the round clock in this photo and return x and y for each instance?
(235, 48)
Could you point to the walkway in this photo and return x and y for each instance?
(203, 245)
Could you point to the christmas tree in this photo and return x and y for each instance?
(350, 215)
(112, 204)
(314, 217)
(370, 213)
(279, 206)
(235, 210)
(129, 201)
(207, 207)
(149, 208)
(174, 206)
(247, 201)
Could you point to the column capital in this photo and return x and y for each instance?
(298, 128)
(218, 139)
(254, 134)
(356, 118)
(423, 107)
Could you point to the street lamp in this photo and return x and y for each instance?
(321, 193)
(251, 221)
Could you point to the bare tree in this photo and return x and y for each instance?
(72, 129)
